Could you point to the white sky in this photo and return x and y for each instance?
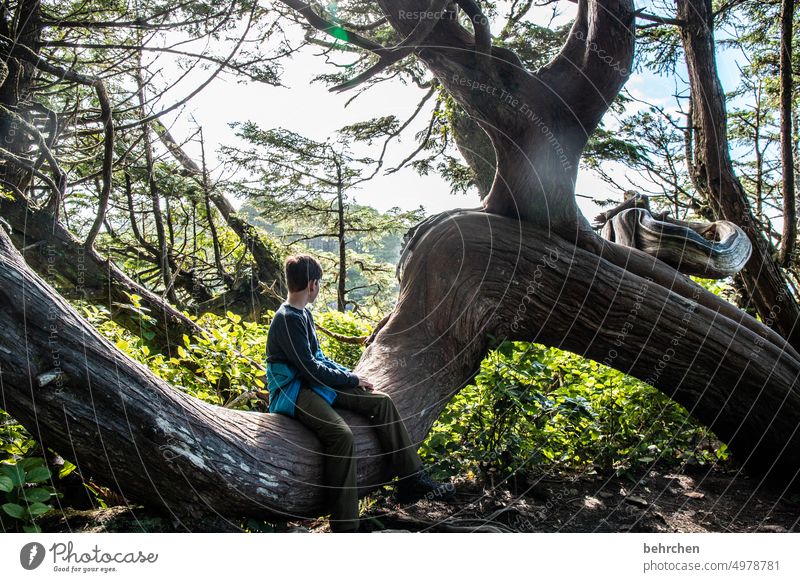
(316, 113)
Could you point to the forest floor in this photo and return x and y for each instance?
(695, 499)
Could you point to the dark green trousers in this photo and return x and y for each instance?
(338, 445)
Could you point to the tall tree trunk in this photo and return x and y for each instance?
(341, 288)
(789, 238)
(15, 90)
(714, 173)
(215, 246)
(155, 198)
(759, 185)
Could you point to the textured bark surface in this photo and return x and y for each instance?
(790, 224)
(476, 148)
(465, 277)
(713, 250)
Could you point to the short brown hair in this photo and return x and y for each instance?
(300, 269)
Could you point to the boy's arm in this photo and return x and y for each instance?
(326, 359)
(320, 355)
(294, 336)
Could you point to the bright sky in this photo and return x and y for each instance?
(309, 109)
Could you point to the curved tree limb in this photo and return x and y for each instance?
(714, 250)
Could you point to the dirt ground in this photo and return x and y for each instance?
(698, 499)
(694, 499)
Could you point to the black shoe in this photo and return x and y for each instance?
(419, 485)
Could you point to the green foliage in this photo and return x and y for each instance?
(531, 405)
(15, 442)
(224, 364)
(27, 496)
(23, 473)
(346, 324)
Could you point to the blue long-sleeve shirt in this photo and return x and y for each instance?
(294, 358)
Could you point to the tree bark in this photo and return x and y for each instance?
(341, 284)
(476, 148)
(538, 121)
(789, 238)
(15, 88)
(714, 250)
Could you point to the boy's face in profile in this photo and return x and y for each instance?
(313, 290)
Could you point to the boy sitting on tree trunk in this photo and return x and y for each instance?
(305, 384)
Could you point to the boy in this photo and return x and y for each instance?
(305, 384)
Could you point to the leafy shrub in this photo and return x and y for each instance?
(346, 324)
(219, 367)
(22, 477)
(536, 406)
(27, 497)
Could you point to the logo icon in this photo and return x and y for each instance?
(31, 555)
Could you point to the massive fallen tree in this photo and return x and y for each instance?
(527, 266)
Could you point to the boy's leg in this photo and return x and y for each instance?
(338, 449)
(392, 433)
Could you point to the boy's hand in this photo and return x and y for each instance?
(364, 383)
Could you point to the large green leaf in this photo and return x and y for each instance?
(15, 473)
(66, 469)
(31, 463)
(36, 494)
(38, 475)
(14, 510)
(6, 484)
(37, 509)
